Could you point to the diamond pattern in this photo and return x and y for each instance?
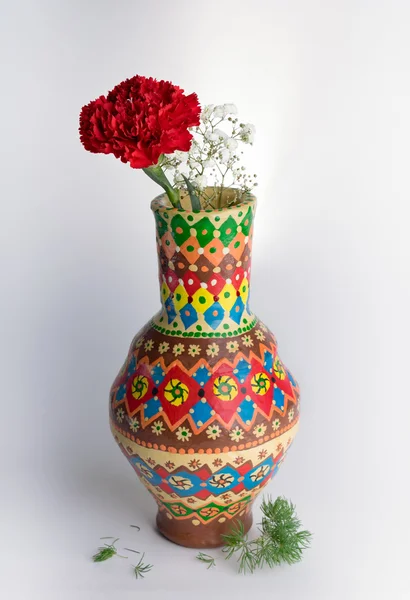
(204, 231)
(180, 229)
(188, 315)
(202, 376)
(214, 315)
(170, 308)
(204, 260)
(201, 412)
(237, 310)
(243, 368)
(190, 250)
(202, 300)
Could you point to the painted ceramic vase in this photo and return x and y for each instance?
(203, 408)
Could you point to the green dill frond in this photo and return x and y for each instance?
(280, 541)
(206, 558)
(141, 569)
(107, 551)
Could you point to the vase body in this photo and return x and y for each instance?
(203, 408)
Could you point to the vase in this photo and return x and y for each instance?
(203, 408)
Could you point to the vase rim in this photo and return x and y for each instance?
(162, 203)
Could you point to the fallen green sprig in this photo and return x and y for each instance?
(209, 560)
(280, 540)
(107, 551)
(140, 569)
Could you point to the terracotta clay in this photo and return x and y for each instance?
(203, 408)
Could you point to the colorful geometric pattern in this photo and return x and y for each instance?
(204, 268)
(205, 486)
(203, 408)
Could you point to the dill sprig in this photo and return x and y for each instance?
(209, 560)
(280, 540)
(140, 569)
(107, 551)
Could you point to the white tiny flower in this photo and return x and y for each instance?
(230, 109)
(206, 113)
(182, 157)
(219, 111)
(220, 134)
(224, 156)
(231, 144)
(200, 181)
(247, 133)
(211, 136)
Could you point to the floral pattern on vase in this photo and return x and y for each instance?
(203, 408)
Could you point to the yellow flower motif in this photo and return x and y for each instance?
(139, 343)
(291, 414)
(278, 368)
(163, 347)
(212, 350)
(149, 344)
(157, 427)
(275, 424)
(178, 349)
(259, 430)
(176, 392)
(232, 346)
(225, 388)
(236, 434)
(213, 432)
(183, 434)
(194, 350)
(247, 341)
(260, 335)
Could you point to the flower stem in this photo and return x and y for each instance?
(157, 174)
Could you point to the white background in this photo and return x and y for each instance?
(327, 85)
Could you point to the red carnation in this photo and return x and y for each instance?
(140, 119)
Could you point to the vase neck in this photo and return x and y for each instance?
(204, 270)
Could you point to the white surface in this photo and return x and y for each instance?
(327, 86)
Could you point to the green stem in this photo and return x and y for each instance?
(157, 174)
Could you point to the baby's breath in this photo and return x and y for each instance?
(214, 159)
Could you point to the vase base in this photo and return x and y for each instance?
(200, 535)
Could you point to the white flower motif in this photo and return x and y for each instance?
(163, 347)
(194, 350)
(134, 424)
(236, 434)
(120, 415)
(139, 343)
(213, 432)
(178, 349)
(149, 344)
(212, 350)
(232, 346)
(291, 414)
(259, 430)
(247, 341)
(260, 335)
(183, 434)
(157, 427)
(275, 424)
